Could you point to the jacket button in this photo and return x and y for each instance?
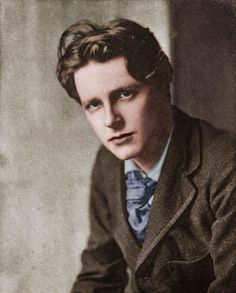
(146, 277)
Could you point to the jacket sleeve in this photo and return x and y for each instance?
(223, 241)
(103, 266)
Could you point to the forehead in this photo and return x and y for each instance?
(99, 78)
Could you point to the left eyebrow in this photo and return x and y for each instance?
(117, 91)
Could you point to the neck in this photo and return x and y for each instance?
(149, 157)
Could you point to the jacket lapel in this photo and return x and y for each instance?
(174, 191)
(124, 234)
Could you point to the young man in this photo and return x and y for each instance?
(163, 199)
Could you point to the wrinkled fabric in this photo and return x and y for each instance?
(139, 192)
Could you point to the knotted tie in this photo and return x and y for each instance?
(139, 191)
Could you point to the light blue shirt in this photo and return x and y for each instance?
(153, 173)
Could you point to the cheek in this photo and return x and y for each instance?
(141, 117)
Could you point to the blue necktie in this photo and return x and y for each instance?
(139, 190)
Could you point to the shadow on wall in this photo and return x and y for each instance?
(204, 57)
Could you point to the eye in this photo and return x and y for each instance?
(93, 105)
(126, 94)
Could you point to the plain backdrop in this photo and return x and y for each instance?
(47, 148)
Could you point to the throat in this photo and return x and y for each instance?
(147, 161)
(148, 158)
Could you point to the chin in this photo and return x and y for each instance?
(125, 154)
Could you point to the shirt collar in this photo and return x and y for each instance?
(155, 172)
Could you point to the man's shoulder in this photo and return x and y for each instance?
(219, 143)
(212, 133)
(104, 157)
(216, 151)
(106, 166)
(205, 146)
(210, 137)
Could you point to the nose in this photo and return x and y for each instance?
(112, 118)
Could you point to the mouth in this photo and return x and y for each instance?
(121, 138)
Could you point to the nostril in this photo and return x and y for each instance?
(115, 121)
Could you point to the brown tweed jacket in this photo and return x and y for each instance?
(190, 243)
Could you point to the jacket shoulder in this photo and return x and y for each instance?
(106, 167)
(217, 143)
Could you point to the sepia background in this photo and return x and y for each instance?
(47, 148)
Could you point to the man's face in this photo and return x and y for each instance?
(127, 115)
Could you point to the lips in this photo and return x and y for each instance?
(121, 138)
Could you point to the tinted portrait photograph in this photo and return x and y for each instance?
(118, 146)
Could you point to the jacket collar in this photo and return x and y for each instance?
(174, 191)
